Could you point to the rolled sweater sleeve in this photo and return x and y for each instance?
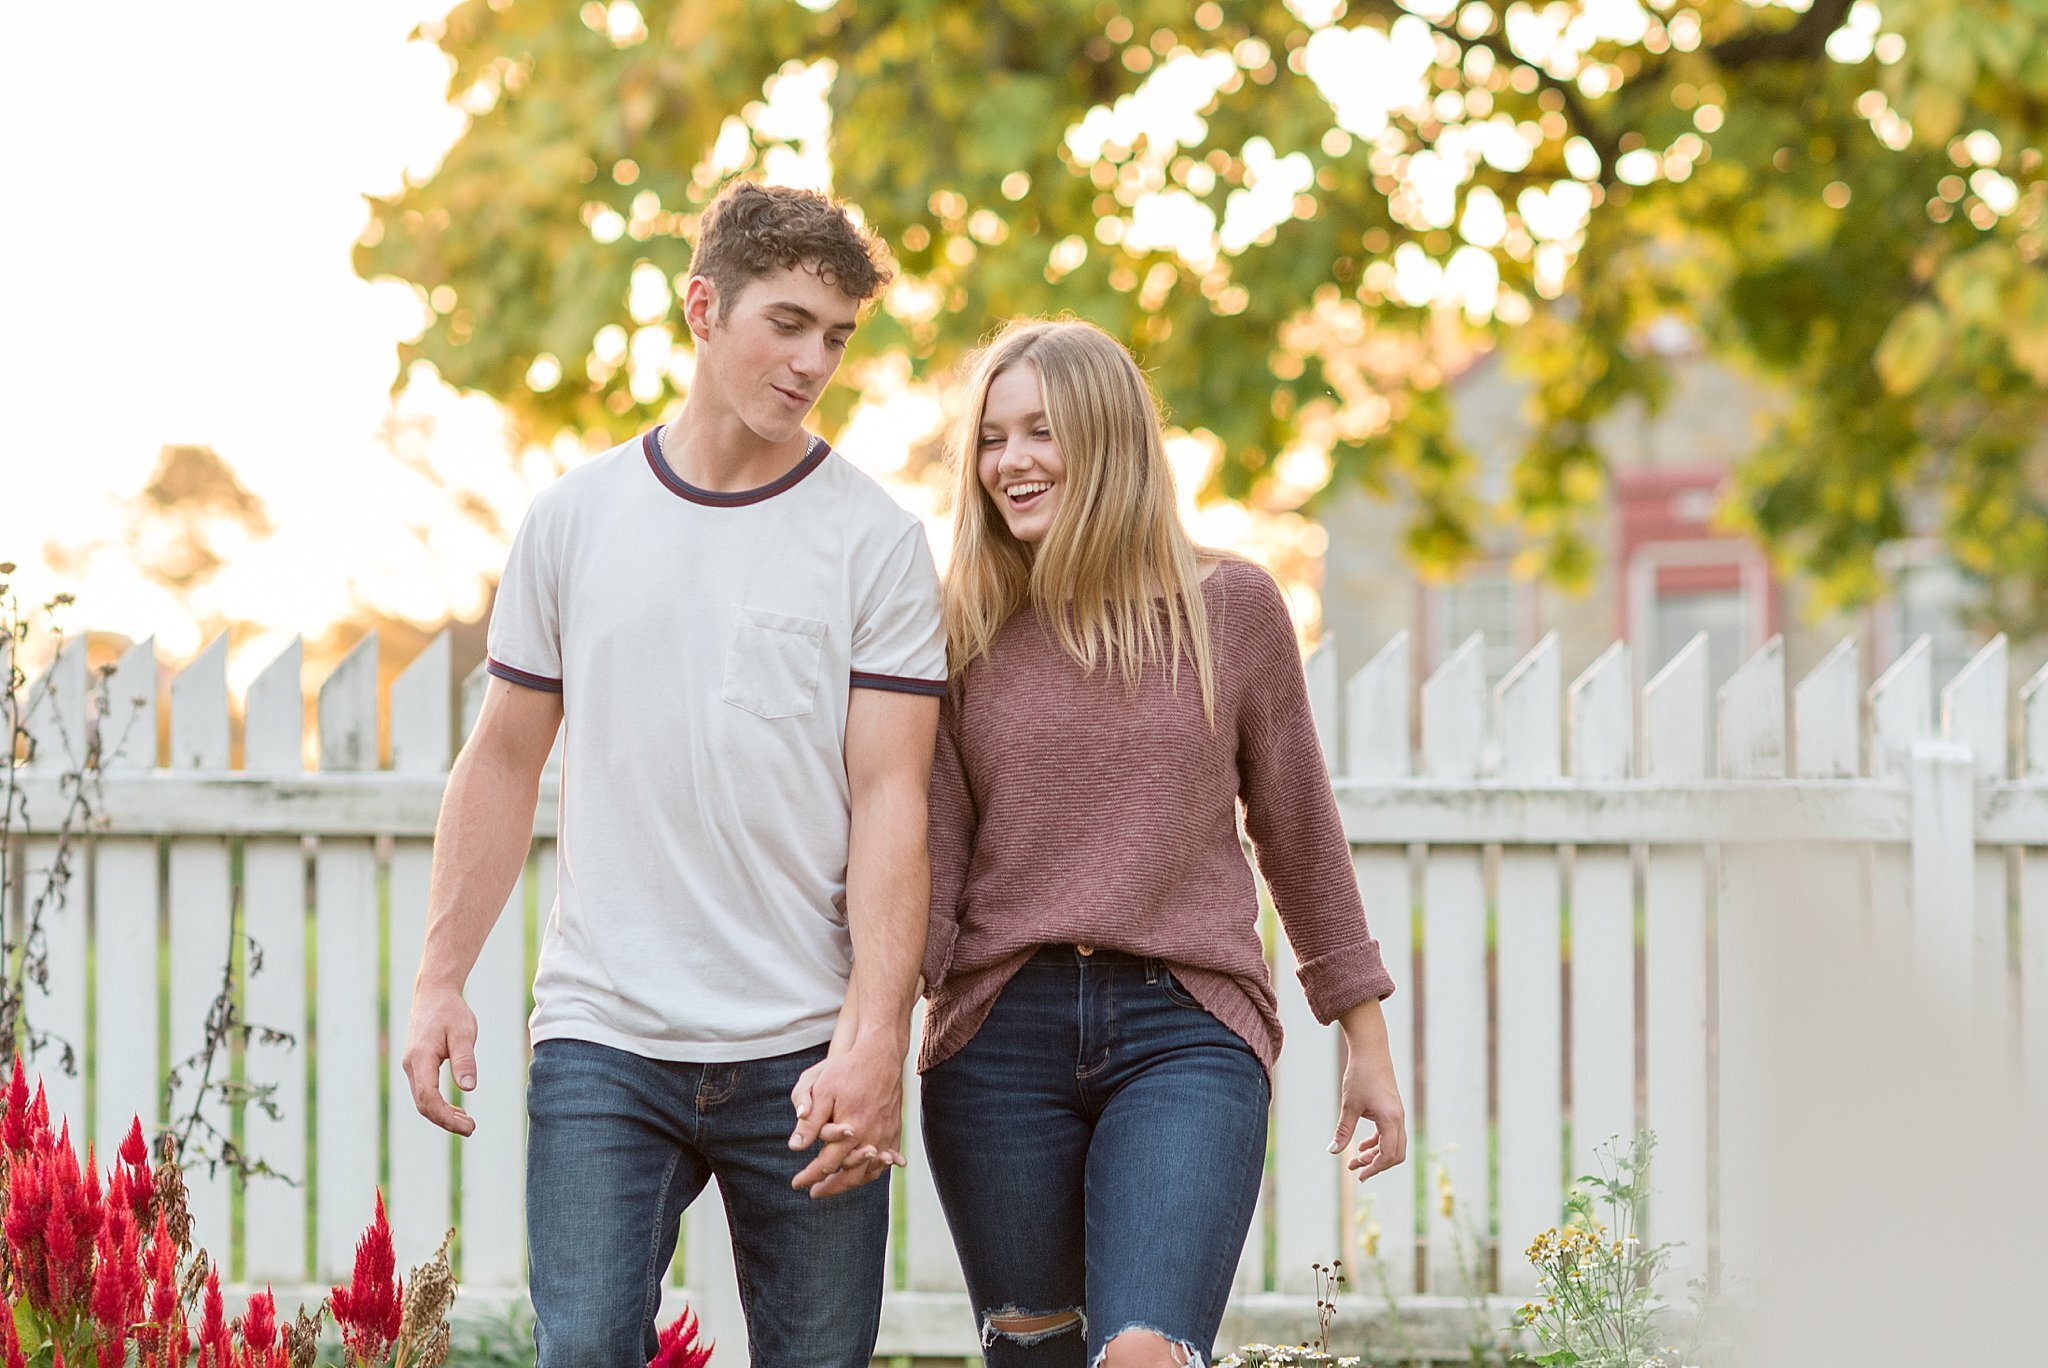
(952, 826)
(1291, 813)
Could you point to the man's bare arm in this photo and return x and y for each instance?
(480, 845)
(888, 865)
(888, 898)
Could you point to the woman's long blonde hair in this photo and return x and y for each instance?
(1116, 543)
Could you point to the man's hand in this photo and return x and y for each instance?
(480, 845)
(852, 1101)
(443, 1030)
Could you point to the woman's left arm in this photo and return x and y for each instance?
(1370, 1091)
(1298, 838)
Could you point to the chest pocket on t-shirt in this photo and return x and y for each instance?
(771, 668)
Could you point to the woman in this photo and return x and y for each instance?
(1102, 1025)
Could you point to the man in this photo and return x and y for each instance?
(742, 634)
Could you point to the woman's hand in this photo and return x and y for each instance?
(1371, 1091)
(852, 1102)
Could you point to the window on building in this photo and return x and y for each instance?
(1678, 589)
(1929, 597)
(1721, 613)
(1488, 600)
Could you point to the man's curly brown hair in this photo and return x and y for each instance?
(751, 230)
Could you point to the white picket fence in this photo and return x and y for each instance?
(1546, 857)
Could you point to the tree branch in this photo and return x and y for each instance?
(1805, 40)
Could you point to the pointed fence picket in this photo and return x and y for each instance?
(1901, 716)
(1674, 1046)
(346, 1030)
(1529, 959)
(1973, 714)
(1306, 1217)
(274, 1209)
(1378, 751)
(1455, 1066)
(422, 727)
(53, 880)
(1577, 922)
(1752, 737)
(1603, 904)
(1828, 742)
(493, 1156)
(930, 1263)
(124, 898)
(1827, 745)
(1306, 1210)
(200, 901)
(2031, 870)
(711, 1277)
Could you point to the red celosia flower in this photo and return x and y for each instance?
(14, 1127)
(28, 1208)
(72, 1222)
(162, 1336)
(39, 1120)
(678, 1345)
(135, 1167)
(25, 1129)
(262, 1346)
(134, 1149)
(60, 1255)
(10, 1344)
(369, 1309)
(118, 1196)
(117, 1287)
(89, 1178)
(216, 1350)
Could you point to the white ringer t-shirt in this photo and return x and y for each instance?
(705, 646)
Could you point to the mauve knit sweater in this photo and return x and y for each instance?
(1067, 809)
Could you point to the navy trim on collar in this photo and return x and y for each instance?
(650, 443)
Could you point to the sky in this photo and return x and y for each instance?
(185, 185)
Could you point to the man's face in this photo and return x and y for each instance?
(772, 347)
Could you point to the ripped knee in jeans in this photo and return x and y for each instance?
(1029, 1327)
(1140, 1344)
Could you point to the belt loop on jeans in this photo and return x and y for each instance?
(1151, 970)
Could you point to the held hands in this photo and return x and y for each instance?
(852, 1100)
(443, 1030)
(1371, 1092)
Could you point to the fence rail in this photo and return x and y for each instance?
(1569, 883)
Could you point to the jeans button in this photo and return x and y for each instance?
(1085, 949)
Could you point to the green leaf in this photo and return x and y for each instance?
(1911, 348)
(2028, 335)
(1937, 113)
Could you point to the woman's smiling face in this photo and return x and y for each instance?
(1017, 460)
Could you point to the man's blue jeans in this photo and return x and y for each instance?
(619, 1145)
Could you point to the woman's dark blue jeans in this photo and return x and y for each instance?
(1098, 1148)
(618, 1145)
